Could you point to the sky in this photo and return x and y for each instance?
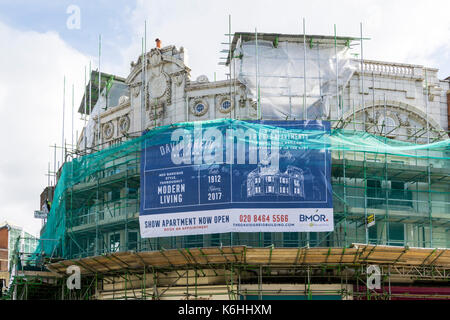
(44, 41)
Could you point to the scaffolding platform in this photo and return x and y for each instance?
(217, 258)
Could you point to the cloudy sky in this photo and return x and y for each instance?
(39, 48)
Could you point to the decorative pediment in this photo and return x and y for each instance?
(154, 57)
(135, 88)
(155, 61)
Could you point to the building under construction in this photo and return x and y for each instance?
(389, 179)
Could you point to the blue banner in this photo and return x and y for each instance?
(236, 176)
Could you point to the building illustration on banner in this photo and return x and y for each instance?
(201, 186)
(268, 181)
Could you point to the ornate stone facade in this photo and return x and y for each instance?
(383, 98)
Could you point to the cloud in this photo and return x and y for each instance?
(400, 31)
(31, 94)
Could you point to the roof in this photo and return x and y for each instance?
(94, 89)
(283, 37)
(6, 224)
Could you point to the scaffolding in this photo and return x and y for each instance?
(245, 273)
(99, 201)
(101, 219)
(94, 221)
(407, 191)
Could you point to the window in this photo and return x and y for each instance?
(199, 107)
(132, 193)
(374, 193)
(90, 245)
(215, 239)
(290, 239)
(373, 236)
(114, 242)
(267, 240)
(400, 191)
(396, 234)
(132, 240)
(396, 185)
(194, 241)
(314, 240)
(113, 195)
(226, 105)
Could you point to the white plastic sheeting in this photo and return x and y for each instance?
(88, 139)
(117, 90)
(280, 72)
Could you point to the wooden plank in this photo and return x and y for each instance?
(212, 257)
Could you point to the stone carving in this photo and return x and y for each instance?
(152, 115)
(108, 130)
(403, 120)
(433, 91)
(159, 89)
(155, 57)
(124, 124)
(157, 86)
(368, 115)
(179, 79)
(123, 100)
(202, 79)
(242, 102)
(155, 63)
(135, 89)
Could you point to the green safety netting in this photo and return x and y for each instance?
(85, 168)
